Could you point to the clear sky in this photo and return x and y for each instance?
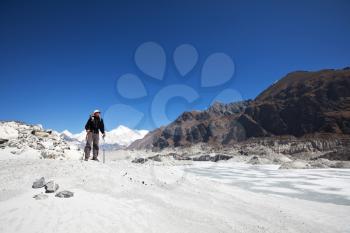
(59, 60)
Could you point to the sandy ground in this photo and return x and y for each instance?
(120, 196)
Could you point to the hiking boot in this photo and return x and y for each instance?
(96, 159)
(86, 159)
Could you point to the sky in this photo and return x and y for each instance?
(60, 60)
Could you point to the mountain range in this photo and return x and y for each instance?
(300, 104)
(117, 138)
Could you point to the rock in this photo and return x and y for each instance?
(40, 133)
(341, 164)
(321, 163)
(51, 187)
(202, 158)
(65, 194)
(256, 160)
(3, 141)
(19, 137)
(39, 183)
(279, 159)
(252, 128)
(241, 152)
(52, 154)
(342, 154)
(40, 196)
(219, 157)
(180, 157)
(297, 164)
(214, 158)
(156, 158)
(139, 160)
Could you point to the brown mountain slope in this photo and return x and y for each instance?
(300, 103)
(305, 102)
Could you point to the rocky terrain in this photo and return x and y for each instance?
(286, 152)
(17, 139)
(304, 111)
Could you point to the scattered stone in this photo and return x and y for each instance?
(139, 160)
(40, 196)
(65, 194)
(51, 154)
(39, 183)
(51, 187)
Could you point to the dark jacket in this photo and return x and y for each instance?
(94, 124)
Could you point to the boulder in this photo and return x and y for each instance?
(219, 157)
(51, 187)
(202, 158)
(139, 160)
(65, 194)
(180, 157)
(40, 133)
(39, 183)
(3, 141)
(40, 196)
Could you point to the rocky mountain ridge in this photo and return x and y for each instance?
(300, 104)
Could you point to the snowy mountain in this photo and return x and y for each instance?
(121, 136)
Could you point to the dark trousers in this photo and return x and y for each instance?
(92, 140)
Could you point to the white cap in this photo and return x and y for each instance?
(97, 111)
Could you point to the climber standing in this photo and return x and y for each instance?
(93, 127)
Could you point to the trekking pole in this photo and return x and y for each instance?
(103, 150)
(86, 138)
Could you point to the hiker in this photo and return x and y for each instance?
(92, 127)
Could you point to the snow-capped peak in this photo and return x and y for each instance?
(121, 135)
(67, 133)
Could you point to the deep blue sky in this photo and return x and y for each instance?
(61, 59)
